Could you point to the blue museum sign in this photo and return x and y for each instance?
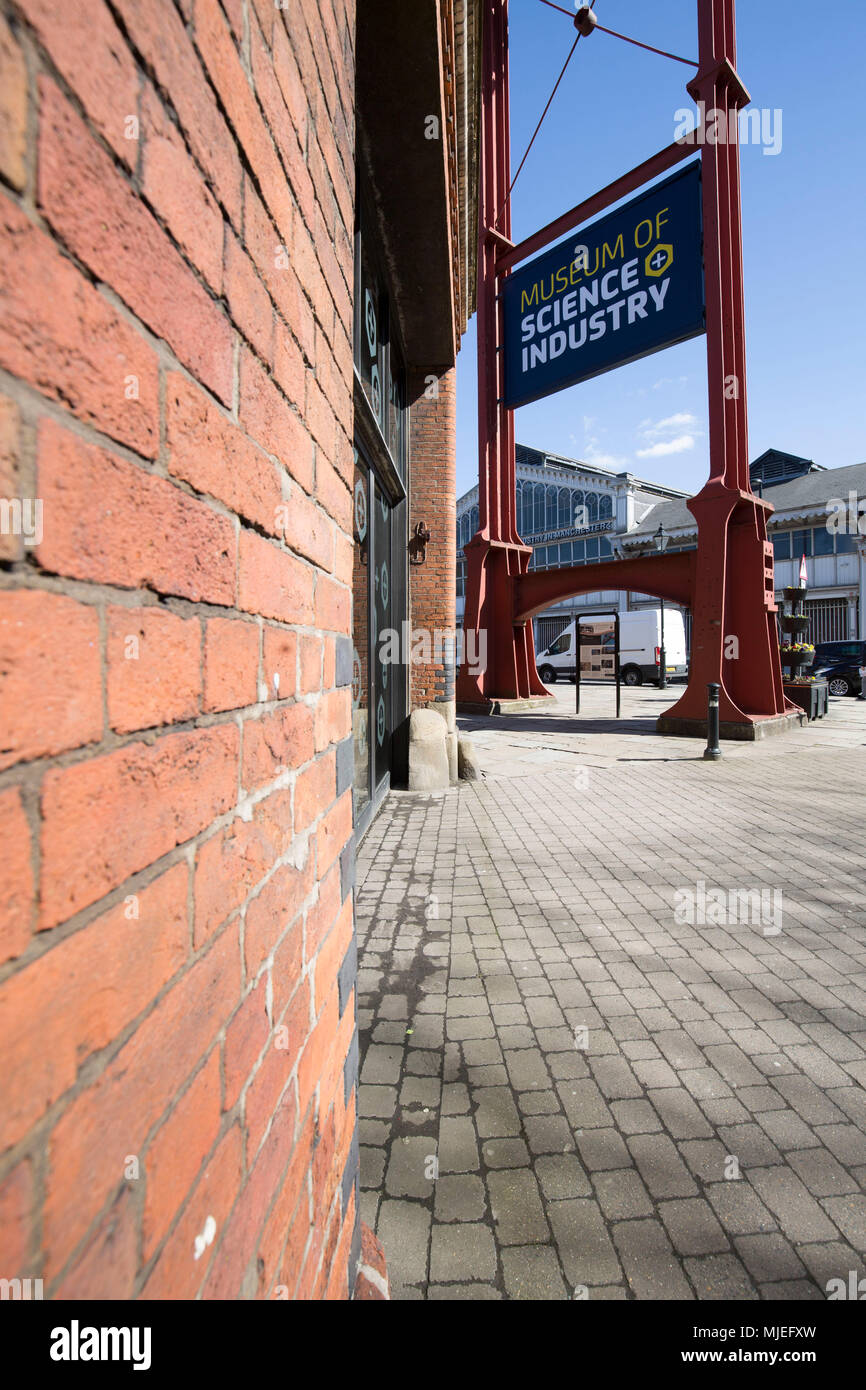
(619, 289)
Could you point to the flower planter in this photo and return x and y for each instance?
(794, 595)
(795, 658)
(794, 623)
(812, 697)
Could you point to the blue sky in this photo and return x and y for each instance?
(804, 230)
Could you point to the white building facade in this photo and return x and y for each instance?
(571, 513)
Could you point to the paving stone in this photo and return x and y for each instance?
(680, 1113)
(462, 1252)
(602, 1148)
(458, 1146)
(660, 1166)
(692, 1226)
(496, 1113)
(787, 1130)
(538, 1102)
(739, 1208)
(505, 1153)
(648, 1259)
(621, 1194)
(635, 1117)
(404, 1230)
(584, 1105)
(849, 1214)
(720, 1277)
(381, 1065)
(562, 1176)
(750, 1145)
(516, 1206)
(377, 1101)
(411, 1169)
(847, 1142)
(585, 1248)
(459, 1293)
(421, 1091)
(548, 1134)
(526, 1070)
(455, 1099)
(372, 1166)
(532, 1272)
(459, 1198)
(799, 1215)
(821, 1173)
(769, 1258)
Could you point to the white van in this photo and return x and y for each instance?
(640, 636)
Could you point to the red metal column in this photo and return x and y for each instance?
(496, 556)
(734, 632)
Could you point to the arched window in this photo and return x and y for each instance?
(564, 508)
(538, 509)
(592, 507)
(551, 509)
(474, 522)
(577, 515)
(605, 507)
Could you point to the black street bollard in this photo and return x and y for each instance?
(712, 750)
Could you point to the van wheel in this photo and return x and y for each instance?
(632, 676)
(548, 675)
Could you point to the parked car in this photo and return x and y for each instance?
(839, 663)
(842, 678)
(639, 648)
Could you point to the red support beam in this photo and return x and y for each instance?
(728, 582)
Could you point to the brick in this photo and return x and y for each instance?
(230, 81)
(248, 1216)
(112, 1117)
(106, 1267)
(178, 1272)
(11, 545)
(16, 1199)
(266, 1094)
(317, 1052)
(315, 790)
(333, 717)
(270, 914)
(100, 218)
(333, 833)
(272, 583)
(231, 863)
(159, 35)
(290, 372)
(246, 1036)
(112, 523)
(17, 894)
(321, 917)
(176, 1153)
(311, 663)
(279, 658)
(268, 418)
(248, 300)
(310, 531)
(154, 668)
(333, 494)
(274, 743)
(91, 53)
(13, 109)
(178, 194)
(231, 664)
(332, 952)
(130, 957)
(212, 454)
(62, 337)
(50, 675)
(107, 818)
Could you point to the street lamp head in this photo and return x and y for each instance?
(660, 539)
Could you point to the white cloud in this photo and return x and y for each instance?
(670, 425)
(680, 445)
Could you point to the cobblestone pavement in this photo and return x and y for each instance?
(574, 1085)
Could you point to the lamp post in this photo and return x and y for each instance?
(661, 539)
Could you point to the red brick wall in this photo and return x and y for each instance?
(177, 969)
(433, 500)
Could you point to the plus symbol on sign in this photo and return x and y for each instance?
(658, 260)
